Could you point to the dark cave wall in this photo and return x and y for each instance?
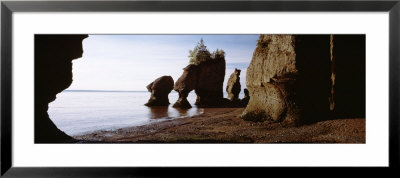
(290, 78)
(313, 83)
(53, 74)
(350, 58)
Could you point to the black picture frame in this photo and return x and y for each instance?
(8, 7)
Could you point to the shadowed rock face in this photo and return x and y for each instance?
(313, 82)
(246, 98)
(185, 84)
(53, 74)
(160, 89)
(349, 88)
(207, 79)
(210, 79)
(270, 78)
(290, 77)
(233, 87)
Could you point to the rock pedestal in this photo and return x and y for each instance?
(209, 87)
(185, 84)
(206, 78)
(233, 86)
(160, 89)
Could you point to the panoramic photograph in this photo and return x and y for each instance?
(199, 88)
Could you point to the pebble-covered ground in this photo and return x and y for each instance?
(224, 125)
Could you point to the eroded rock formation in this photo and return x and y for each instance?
(160, 89)
(292, 78)
(233, 85)
(210, 79)
(53, 74)
(288, 78)
(246, 98)
(186, 83)
(205, 74)
(206, 79)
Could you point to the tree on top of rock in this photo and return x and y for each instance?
(218, 54)
(200, 54)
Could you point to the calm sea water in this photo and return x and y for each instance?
(78, 112)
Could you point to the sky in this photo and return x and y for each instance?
(131, 62)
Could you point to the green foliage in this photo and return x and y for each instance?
(201, 54)
(218, 54)
(192, 55)
(201, 47)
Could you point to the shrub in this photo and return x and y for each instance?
(201, 54)
(218, 54)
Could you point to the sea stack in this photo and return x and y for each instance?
(160, 89)
(246, 98)
(205, 74)
(185, 84)
(209, 88)
(233, 86)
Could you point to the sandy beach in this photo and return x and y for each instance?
(224, 125)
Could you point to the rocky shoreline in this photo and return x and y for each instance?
(300, 89)
(224, 125)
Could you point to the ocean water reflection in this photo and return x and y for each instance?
(78, 112)
(168, 112)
